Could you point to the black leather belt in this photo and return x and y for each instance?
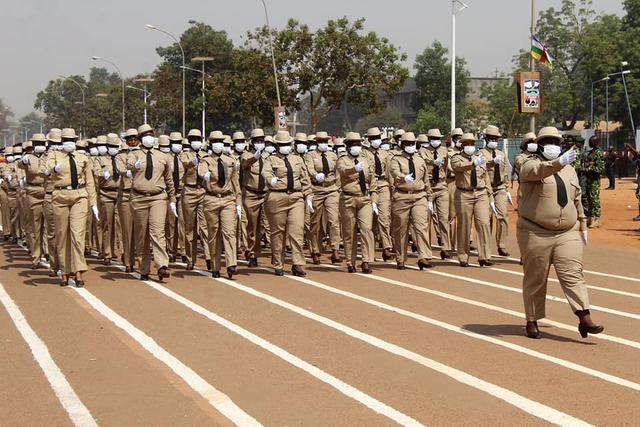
(147, 194)
(466, 189)
(68, 187)
(354, 194)
(410, 191)
(192, 185)
(285, 191)
(258, 192)
(220, 195)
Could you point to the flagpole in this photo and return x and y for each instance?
(531, 60)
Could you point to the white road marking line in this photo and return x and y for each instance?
(521, 349)
(534, 408)
(77, 411)
(216, 398)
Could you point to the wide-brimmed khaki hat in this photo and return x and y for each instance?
(17, 148)
(69, 133)
(92, 141)
(83, 143)
(144, 129)
(238, 136)
(398, 132)
(422, 138)
(101, 140)
(38, 137)
(164, 141)
(175, 136)
(268, 138)
(468, 136)
(54, 135)
(492, 130)
(549, 132)
(257, 133)
(195, 133)
(227, 139)
(319, 136)
(408, 137)
(27, 144)
(529, 136)
(113, 140)
(215, 135)
(373, 132)
(8, 151)
(434, 133)
(352, 137)
(282, 138)
(131, 132)
(301, 137)
(457, 132)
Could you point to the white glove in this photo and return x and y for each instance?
(257, 154)
(195, 160)
(94, 209)
(430, 206)
(128, 173)
(585, 236)
(497, 159)
(57, 167)
(493, 207)
(107, 175)
(310, 204)
(509, 198)
(480, 160)
(409, 179)
(21, 182)
(273, 181)
(9, 178)
(137, 164)
(239, 211)
(25, 160)
(47, 172)
(174, 210)
(207, 176)
(438, 162)
(374, 206)
(1, 181)
(320, 178)
(568, 157)
(360, 166)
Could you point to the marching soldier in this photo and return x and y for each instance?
(528, 147)
(411, 204)
(108, 177)
(497, 170)
(74, 191)
(12, 177)
(151, 188)
(321, 165)
(239, 145)
(454, 148)
(93, 238)
(288, 182)
(124, 205)
(175, 226)
(552, 230)
(358, 202)
(473, 197)
(4, 197)
(54, 139)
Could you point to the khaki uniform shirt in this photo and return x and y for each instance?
(171, 158)
(384, 156)
(123, 167)
(160, 185)
(62, 179)
(313, 160)
(32, 170)
(451, 151)
(252, 172)
(190, 178)
(462, 165)
(108, 187)
(274, 166)
(492, 168)
(349, 177)
(443, 154)
(399, 168)
(232, 179)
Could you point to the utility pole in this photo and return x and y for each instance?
(532, 64)
(454, 11)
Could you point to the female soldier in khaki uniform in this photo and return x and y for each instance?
(72, 178)
(552, 230)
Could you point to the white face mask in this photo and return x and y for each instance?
(385, 147)
(458, 145)
(93, 151)
(39, 149)
(341, 150)
(375, 143)
(259, 146)
(217, 147)
(56, 147)
(313, 147)
(551, 151)
(469, 150)
(323, 147)
(270, 149)
(113, 151)
(492, 145)
(10, 159)
(148, 141)
(69, 146)
(227, 149)
(301, 148)
(409, 149)
(435, 143)
(176, 148)
(284, 150)
(240, 146)
(102, 150)
(165, 149)
(355, 150)
(532, 147)
(196, 145)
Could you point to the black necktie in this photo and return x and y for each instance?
(221, 178)
(435, 176)
(361, 181)
(378, 164)
(497, 179)
(474, 175)
(260, 177)
(412, 167)
(176, 172)
(241, 173)
(148, 171)
(289, 175)
(74, 172)
(325, 165)
(562, 191)
(116, 174)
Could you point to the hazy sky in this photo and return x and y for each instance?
(41, 39)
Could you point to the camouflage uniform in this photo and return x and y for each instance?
(593, 167)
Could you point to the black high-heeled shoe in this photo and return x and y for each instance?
(351, 269)
(586, 329)
(279, 272)
(215, 274)
(79, 283)
(424, 263)
(531, 330)
(444, 255)
(485, 263)
(296, 270)
(231, 271)
(400, 266)
(366, 269)
(335, 258)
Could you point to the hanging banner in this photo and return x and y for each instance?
(529, 88)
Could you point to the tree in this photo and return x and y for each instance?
(5, 115)
(390, 117)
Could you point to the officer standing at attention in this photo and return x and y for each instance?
(152, 187)
(72, 178)
(552, 230)
(473, 199)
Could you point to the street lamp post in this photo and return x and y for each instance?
(626, 95)
(457, 6)
(83, 98)
(153, 27)
(273, 58)
(145, 93)
(606, 79)
(592, 85)
(97, 58)
(201, 59)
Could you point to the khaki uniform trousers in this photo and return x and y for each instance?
(107, 224)
(441, 208)
(125, 213)
(325, 205)
(25, 217)
(194, 223)
(149, 215)
(49, 225)
(175, 229)
(14, 214)
(382, 224)
(286, 214)
(35, 197)
(221, 219)
(411, 209)
(70, 210)
(502, 219)
(241, 231)
(356, 213)
(540, 249)
(6, 213)
(451, 187)
(254, 208)
(473, 206)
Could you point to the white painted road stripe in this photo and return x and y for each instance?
(78, 413)
(216, 398)
(453, 328)
(527, 405)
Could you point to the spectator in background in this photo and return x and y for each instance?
(610, 161)
(635, 158)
